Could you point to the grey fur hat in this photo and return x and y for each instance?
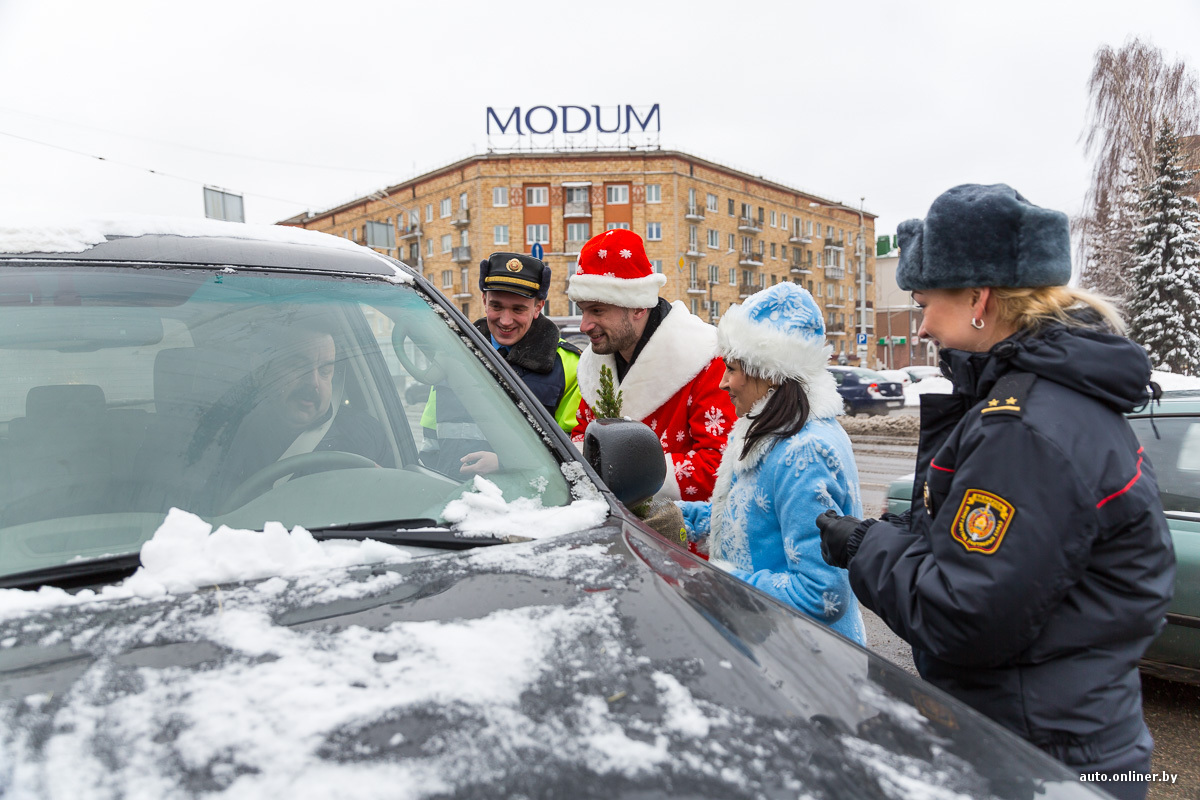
(979, 235)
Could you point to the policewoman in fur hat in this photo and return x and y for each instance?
(514, 287)
(786, 460)
(1035, 566)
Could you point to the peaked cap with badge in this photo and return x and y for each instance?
(613, 268)
(516, 273)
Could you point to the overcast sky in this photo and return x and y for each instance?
(305, 105)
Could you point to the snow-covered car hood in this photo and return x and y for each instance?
(602, 663)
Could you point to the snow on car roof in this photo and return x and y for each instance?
(32, 236)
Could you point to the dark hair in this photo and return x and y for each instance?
(784, 415)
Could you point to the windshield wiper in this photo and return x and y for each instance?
(75, 574)
(420, 532)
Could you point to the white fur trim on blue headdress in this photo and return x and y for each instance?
(779, 333)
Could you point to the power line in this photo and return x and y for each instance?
(147, 169)
(203, 149)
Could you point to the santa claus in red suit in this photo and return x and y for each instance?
(663, 360)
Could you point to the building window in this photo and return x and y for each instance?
(465, 277)
(773, 250)
(464, 239)
(462, 200)
(783, 221)
(414, 218)
(714, 238)
(577, 232)
(617, 195)
(500, 234)
(576, 194)
(613, 225)
(693, 238)
(761, 217)
(746, 210)
(657, 264)
(731, 242)
(732, 276)
(731, 208)
(712, 202)
(774, 220)
(714, 273)
(429, 247)
(537, 196)
(447, 279)
(499, 196)
(653, 193)
(695, 306)
(537, 233)
(654, 231)
(716, 309)
(429, 212)
(379, 234)
(447, 243)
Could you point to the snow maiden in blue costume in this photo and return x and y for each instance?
(786, 461)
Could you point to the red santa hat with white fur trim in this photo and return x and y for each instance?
(613, 269)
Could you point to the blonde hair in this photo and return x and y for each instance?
(1030, 308)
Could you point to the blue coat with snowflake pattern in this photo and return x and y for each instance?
(761, 521)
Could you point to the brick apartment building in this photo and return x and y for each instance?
(718, 234)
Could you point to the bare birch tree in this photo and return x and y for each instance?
(1132, 91)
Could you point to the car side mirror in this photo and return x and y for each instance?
(628, 458)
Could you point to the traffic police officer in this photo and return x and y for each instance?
(514, 288)
(1035, 565)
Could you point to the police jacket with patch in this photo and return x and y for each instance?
(1037, 565)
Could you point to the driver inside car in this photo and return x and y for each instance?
(299, 409)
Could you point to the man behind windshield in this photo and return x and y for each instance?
(296, 412)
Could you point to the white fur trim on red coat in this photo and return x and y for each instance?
(624, 292)
(676, 353)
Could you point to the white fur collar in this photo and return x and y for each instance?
(676, 353)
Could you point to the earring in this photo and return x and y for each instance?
(977, 324)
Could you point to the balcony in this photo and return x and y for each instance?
(750, 258)
(696, 287)
(749, 225)
(462, 295)
(837, 304)
(694, 213)
(462, 218)
(573, 246)
(836, 329)
(835, 273)
(577, 208)
(694, 251)
(747, 289)
(799, 268)
(411, 232)
(461, 254)
(830, 244)
(799, 239)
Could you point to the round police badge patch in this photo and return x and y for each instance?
(981, 521)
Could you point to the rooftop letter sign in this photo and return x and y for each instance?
(588, 122)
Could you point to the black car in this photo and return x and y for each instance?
(865, 391)
(420, 631)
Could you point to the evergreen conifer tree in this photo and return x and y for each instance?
(1164, 304)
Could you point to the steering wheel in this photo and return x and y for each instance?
(431, 373)
(298, 465)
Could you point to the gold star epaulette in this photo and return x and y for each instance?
(1008, 396)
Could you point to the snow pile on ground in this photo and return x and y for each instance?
(185, 553)
(485, 512)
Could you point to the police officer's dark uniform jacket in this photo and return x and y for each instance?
(1035, 565)
(536, 360)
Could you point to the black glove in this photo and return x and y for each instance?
(840, 538)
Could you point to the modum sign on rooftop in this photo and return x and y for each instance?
(571, 120)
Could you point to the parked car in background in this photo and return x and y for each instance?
(1171, 438)
(568, 328)
(920, 372)
(865, 391)
(421, 631)
(897, 376)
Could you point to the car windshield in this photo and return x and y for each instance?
(243, 397)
